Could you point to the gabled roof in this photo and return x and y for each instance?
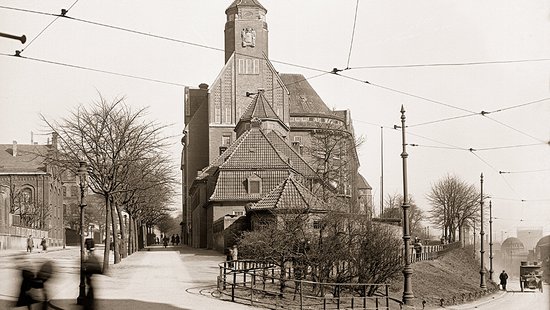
(255, 151)
(297, 161)
(289, 195)
(237, 3)
(303, 98)
(260, 108)
(29, 159)
(231, 184)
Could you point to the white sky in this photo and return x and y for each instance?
(317, 34)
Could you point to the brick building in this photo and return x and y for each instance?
(31, 201)
(252, 129)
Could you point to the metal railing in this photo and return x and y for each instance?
(266, 284)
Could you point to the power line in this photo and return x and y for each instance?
(353, 32)
(524, 171)
(93, 69)
(520, 105)
(444, 119)
(63, 12)
(516, 130)
(474, 63)
(508, 146)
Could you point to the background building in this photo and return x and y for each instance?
(31, 201)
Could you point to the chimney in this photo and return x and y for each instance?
(54, 140)
(14, 148)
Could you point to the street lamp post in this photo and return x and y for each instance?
(482, 284)
(408, 295)
(490, 240)
(82, 175)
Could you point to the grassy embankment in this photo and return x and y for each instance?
(451, 275)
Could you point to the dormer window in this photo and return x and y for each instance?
(254, 184)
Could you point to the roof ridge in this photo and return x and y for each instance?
(234, 146)
(296, 153)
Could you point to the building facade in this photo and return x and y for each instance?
(31, 198)
(252, 128)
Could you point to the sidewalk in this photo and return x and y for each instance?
(477, 303)
(12, 252)
(155, 278)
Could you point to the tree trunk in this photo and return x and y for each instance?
(123, 235)
(115, 237)
(107, 237)
(130, 236)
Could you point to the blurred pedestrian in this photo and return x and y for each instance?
(165, 241)
(173, 239)
(91, 267)
(503, 279)
(30, 244)
(25, 297)
(234, 253)
(177, 239)
(44, 244)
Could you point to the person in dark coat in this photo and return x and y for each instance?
(503, 279)
(91, 267)
(177, 239)
(28, 282)
(173, 240)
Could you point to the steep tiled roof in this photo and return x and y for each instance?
(303, 98)
(259, 108)
(237, 3)
(289, 194)
(255, 151)
(232, 185)
(29, 158)
(296, 160)
(362, 182)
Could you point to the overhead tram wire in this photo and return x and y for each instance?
(335, 70)
(450, 64)
(63, 12)
(353, 32)
(482, 112)
(94, 70)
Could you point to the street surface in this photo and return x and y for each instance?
(513, 299)
(171, 278)
(175, 278)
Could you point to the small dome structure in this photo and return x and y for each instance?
(544, 242)
(512, 244)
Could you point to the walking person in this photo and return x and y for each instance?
(44, 244)
(177, 239)
(503, 279)
(165, 241)
(30, 244)
(173, 240)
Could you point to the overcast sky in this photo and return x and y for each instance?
(308, 37)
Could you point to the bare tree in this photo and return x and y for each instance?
(393, 209)
(455, 204)
(110, 137)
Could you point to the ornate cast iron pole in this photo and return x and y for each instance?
(490, 240)
(408, 295)
(481, 234)
(82, 175)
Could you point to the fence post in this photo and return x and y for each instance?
(244, 273)
(364, 296)
(224, 275)
(233, 286)
(301, 296)
(387, 298)
(338, 298)
(252, 289)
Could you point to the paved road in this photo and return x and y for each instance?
(172, 278)
(513, 299)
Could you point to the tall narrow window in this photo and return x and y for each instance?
(227, 114)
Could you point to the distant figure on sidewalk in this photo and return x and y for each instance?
(503, 278)
(44, 244)
(165, 241)
(418, 248)
(177, 239)
(30, 244)
(173, 240)
(234, 253)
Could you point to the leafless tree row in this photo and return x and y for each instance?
(127, 166)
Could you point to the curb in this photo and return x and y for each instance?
(477, 304)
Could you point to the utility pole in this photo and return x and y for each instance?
(381, 170)
(482, 284)
(490, 240)
(408, 295)
(82, 177)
